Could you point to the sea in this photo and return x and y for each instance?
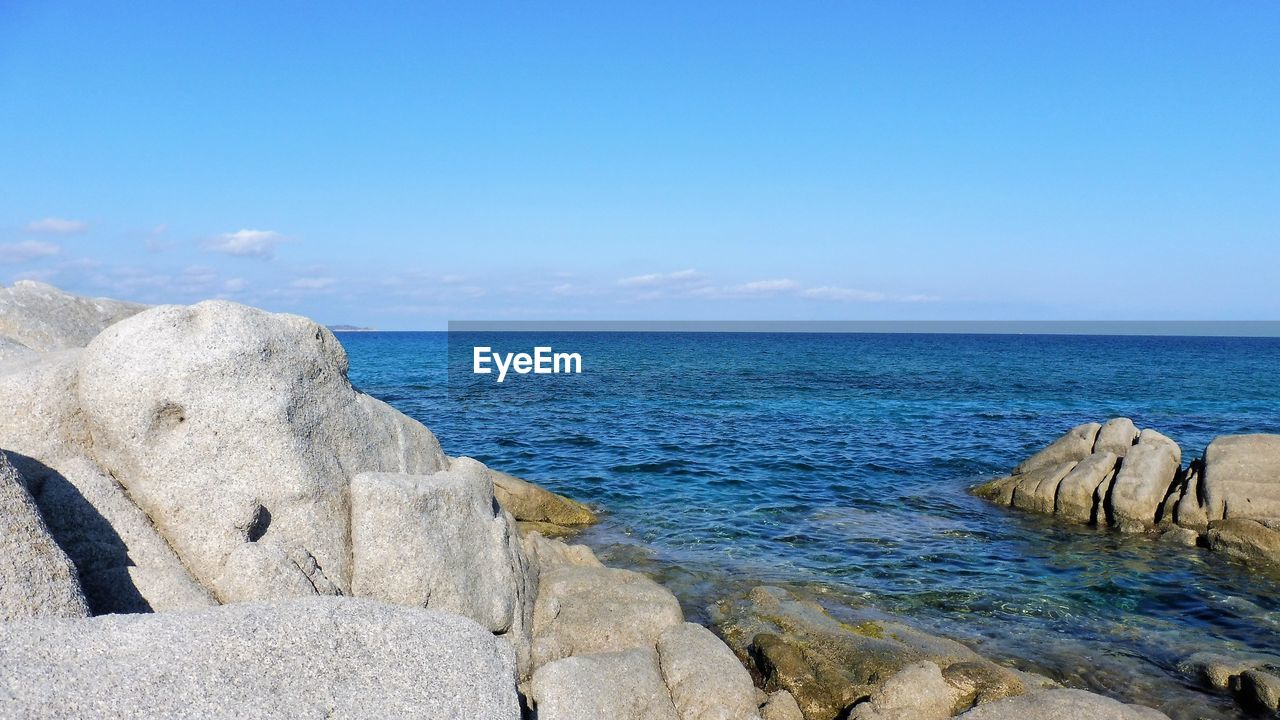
(838, 465)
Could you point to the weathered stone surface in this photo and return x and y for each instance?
(916, 692)
(1075, 499)
(526, 501)
(1061, 704)
(998, 491)
(112, 543)
(780, 706)
(1242, 477)
(1143, 481)
(44, 318)
(1185, 537)
(828, 665)
(705, 679)
(1217, 671)
(11, 350)
(1246, 540)
(173, 396)
(622, 685)
(595, 609)
(320, 657)
(36, 577)
(1190, 512)
(256, 571)
(1116, 437)
(1037, 488)
(1072, 447)
(1259, 691)
(548, 553)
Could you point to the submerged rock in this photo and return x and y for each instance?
(318, 657)
(36, 577)
(1062, 704)
(829, 666)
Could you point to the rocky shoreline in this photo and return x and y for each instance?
(204, 518)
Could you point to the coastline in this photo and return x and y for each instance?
(793, 648)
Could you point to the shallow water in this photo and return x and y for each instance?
(840, 463)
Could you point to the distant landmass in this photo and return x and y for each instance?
(349, 328)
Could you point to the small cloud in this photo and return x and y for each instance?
(845, 294)
(57, 226)
(571, 290)
(681, 277)
(247, 243)
(27, 250)
(313, 283)
(764, 287)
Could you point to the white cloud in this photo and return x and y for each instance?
(764, 287)
(845, 294)
(57, 226)
(247, 243)
(312, 283)
(27, 250)
(679, 278)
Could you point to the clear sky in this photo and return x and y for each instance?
(402, 165)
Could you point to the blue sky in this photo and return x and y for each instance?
(403, 165)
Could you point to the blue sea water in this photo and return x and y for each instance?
(838, 464)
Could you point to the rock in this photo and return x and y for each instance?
(256, 571)
(595, 609)
(36, 577)
(43, 318)
(828, 665)
(781, 706)
(1072, 447)
(1247, 540)
(916, 692)
(705, 679)
(528, 502)
(1116, 437)
(1143, 481)
(112, 543)
(1180, 536)
(1215, 670)
(622, 685)
(1242, 477)
(1190, 512)
(1037, 488)
(1061, 704)
(318, 657)
(548, 553)
(1259, 691)
(547, 529)
(434, 541)
(998, 491)
(174, 396)
(1076, 491)
(11, 350)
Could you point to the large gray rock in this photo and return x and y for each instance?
(44, 318)
(36, 577)
(1075, 500)
(229, 425)
(1074, 446)
(595, 609)
(547, 553)
(11, 350)
(1116, 437)
(313, 658)
(1190, 512)
(1242, 477)
(1062, 704)
(1143, 481)
(622, 685)
(705, 679)
(124, 564)
(441, 541)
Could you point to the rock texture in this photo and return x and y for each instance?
(622, 685)
(36, 577)
(319, 657)
(527, 501)
(1228, 500)
(1062, 704)
(829, 666)
(704, 678)
(42, 318)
